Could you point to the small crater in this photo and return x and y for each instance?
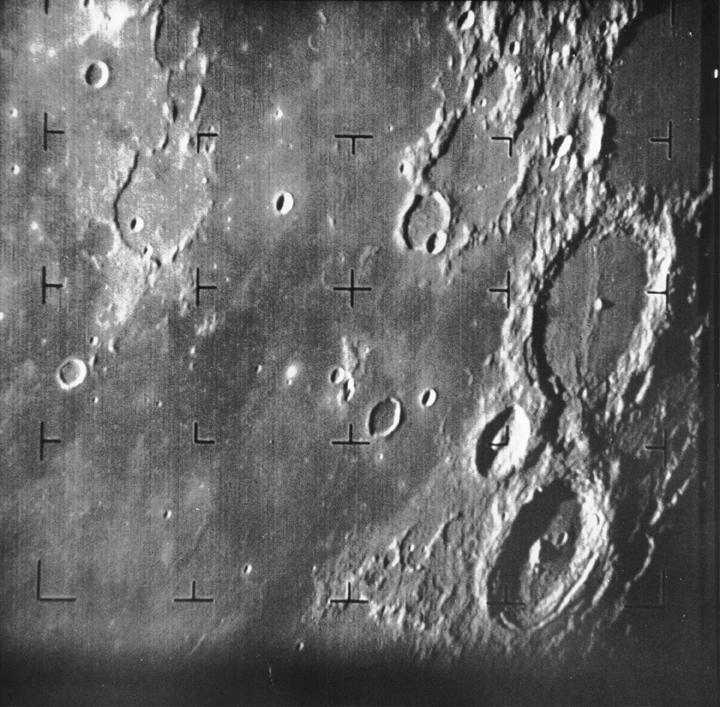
(247, 569)
(337, 375)
(514, 47)
(436, 243)
(491, 440)
(283, 203)
(291, 373)
(466, 20)
(15, 169)
(71, 373)
(426, 223)
(167, 514)
(560, 148)
(385, 417)
(136, 224)
(97, 74)
(428, 397)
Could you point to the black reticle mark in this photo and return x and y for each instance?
(200, 135)
(196, 436)
(667, 140)
(47, 131)
(45, 285)
(505, 440)
(660, 447)
(505, 289)
(46, 440)
(193, 598)
(659, 604)
(353, 137)
(199, 287)
(351, 289)
(346, 600)
(38, 592)
(664, 292)
(350, 440)
(47, 6)
(509, 140)
(505, 601)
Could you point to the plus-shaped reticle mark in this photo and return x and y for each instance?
(353, 137)
(351, 289)
(505, 601)
(45, 285)
(667, 140)
(505, 290)
(193, 598)
(350, 440)
(509, 140)
(348, 599)
(47, 131)
(38, 591)
(660, 603)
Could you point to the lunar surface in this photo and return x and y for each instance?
(358, 353)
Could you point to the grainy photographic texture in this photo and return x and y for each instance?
(358, 353)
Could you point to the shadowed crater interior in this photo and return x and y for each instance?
(490, 441)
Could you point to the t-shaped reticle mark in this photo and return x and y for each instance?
(348, 599)
(660, 447)
(46, 440)
(351, 289)
(38, 590)
(505, 290)
(504, 440)
(350, 440)
(197, 439)
(199, 287)
(47, 131)
(199, 137)
(45, 285)
(664, 292)
(662, 595)
(667, 140)
(508, 140)
(193, 598)
(353, 137)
